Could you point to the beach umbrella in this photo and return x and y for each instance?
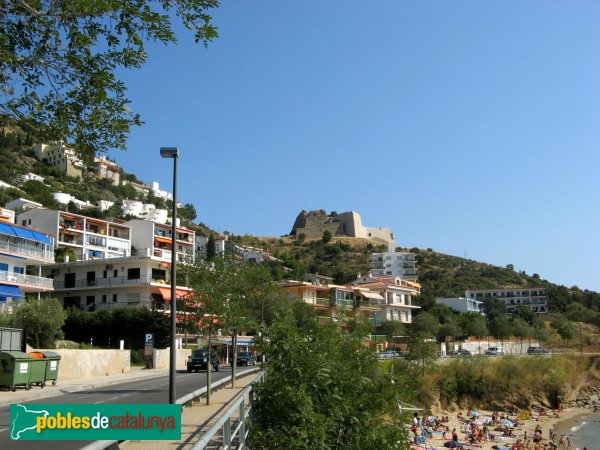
(507, 422)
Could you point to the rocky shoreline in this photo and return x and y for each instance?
(588, 397)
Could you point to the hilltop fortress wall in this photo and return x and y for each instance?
(314, 223)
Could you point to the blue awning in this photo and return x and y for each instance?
(24, 233)
(6, 229)
(10, 291)
(41, 237)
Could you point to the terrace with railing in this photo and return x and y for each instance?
(109, 281)
(23, 248)
(26, 280)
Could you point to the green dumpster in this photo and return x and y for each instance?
(52, 366)
(37, 373)
(15, 368)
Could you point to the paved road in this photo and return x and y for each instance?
(153, 390)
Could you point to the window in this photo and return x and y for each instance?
(105, 274)
(133, 274)
(103, 298)
(90, 299)
(69, 280)
(3, 267)
(116, 273)
(159, 274)
(114, 298)
(18, 269)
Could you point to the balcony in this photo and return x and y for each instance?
(30, 251)
(342, 302)
(71, 225)
(26, 280)
(320, 301)
(371, 304)
(108, 282)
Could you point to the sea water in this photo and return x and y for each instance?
(583, 431)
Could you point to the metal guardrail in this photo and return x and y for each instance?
(230, 430)
(226, 417)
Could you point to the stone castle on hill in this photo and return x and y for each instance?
(314, 223)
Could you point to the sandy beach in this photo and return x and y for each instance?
(524, 430)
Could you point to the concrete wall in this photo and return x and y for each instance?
(512, 346)
(81, 364)
(78, 364)
(163, 356)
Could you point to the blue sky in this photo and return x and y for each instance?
(464, 126)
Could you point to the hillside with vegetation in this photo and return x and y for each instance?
(17, 158)
(440, 275)
(341, 258)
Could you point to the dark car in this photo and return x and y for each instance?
(459, 352)
(494, 351)
(537, 351)
(245, 359)
(199, 361)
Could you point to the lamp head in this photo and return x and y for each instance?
(169, 152)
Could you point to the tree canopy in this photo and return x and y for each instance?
(42, 321)
(324, 389)
(59, 62)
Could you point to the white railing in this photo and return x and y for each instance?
(28, 280)
(27, 250)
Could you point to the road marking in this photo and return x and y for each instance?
(101, 401)
(119, 396)
(3, 429)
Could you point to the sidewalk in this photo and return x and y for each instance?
(64, 387)
(195, 419)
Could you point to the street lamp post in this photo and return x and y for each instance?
(173, 152)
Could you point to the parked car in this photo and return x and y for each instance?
(389, 354)
(494, 351)
(459, 352)
(537, 351)
(245, 359)
(198, 360)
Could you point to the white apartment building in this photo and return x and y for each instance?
(397, 294)
(23, 203)
(134, 281)
(158, 192)
(534, 299)
(104, 205)
(394, 264)
(154, 239)
(462, 304)
(87, 237)
(22, 254)
(60, 157)
(202, 242)
(64, 199)
(30, 177)
(146, 211)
